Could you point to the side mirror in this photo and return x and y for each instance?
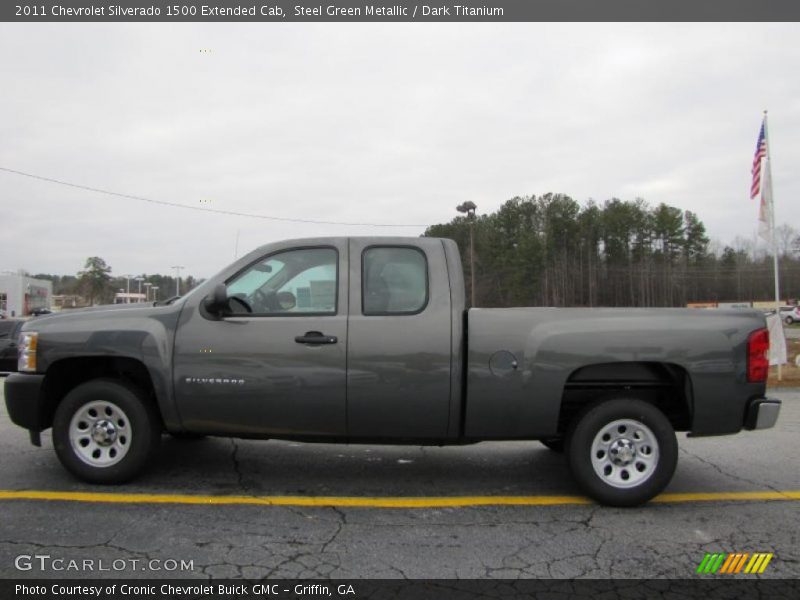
(217, 301)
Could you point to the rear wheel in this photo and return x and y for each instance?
(105, 431)
(622, 452)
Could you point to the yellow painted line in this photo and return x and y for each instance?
(348, 501)
(374, 502)
(724, 496)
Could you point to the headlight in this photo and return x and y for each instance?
(28, 342)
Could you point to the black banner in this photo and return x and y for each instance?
(711, 588)
(398, 10)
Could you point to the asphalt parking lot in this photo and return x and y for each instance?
(556, 536)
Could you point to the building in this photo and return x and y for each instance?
(20, 294)
(69, 301)
(128, 298)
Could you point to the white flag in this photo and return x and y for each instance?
(777, 341)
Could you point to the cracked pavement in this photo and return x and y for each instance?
(293, 542)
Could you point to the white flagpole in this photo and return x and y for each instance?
(771, 208)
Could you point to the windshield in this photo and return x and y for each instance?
(257, 277)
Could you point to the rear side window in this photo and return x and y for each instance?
(394, 281)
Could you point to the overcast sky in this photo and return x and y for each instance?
(379, 123)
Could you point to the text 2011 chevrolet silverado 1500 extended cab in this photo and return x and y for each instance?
(368, 340)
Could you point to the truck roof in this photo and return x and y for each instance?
(379, 239)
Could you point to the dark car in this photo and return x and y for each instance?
(38, 312)
(9, 331)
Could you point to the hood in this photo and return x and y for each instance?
(116, 308)
(99, 307)
(105, 313)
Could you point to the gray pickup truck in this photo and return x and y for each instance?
(368, 340)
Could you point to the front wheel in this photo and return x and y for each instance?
(622, 452)
(105, 431)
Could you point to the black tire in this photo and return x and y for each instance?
(636, 463)
(554, 444)
(135, 429)
(788, 320)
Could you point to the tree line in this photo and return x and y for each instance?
(96, 285)
(552, 251)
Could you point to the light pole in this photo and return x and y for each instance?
(177, 279)
(468, 208)
(140, 280)
(147, 285)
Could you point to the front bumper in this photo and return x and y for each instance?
(762, 413)
(25, 402)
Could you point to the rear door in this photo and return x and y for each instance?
(398, 374)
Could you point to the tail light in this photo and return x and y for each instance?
(758, 356)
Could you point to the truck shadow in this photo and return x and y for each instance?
(225, 465)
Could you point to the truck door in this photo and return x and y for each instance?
(278, 364)
(398, 373)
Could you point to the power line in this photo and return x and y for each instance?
(218, 211)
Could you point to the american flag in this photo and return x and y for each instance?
(761, 152)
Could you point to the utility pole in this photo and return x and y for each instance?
(766, 196)
(178, 269)
(140, 280)
(472, 259)
(469, 208)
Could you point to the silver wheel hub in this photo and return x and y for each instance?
(100, 433)
(104, 432)
(622, 452)
(625, 453)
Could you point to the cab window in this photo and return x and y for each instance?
(394, 281)
(294, 282)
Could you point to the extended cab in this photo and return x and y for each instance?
(368, 340)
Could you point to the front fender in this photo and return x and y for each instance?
(143, 334)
